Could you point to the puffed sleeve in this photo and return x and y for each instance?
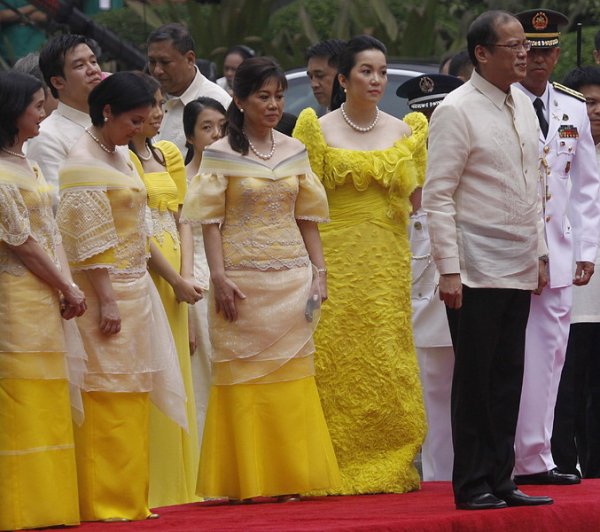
(205, 199)
(14, 217)
(418, 124)
(311, 203)
(308, 131)
(85, 220)
(175, 167)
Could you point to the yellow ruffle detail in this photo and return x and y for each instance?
(400, 168)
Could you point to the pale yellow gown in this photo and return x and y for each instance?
(102, 218)
(38, 479)
(174, 452)
(366, 365)
(265, 434)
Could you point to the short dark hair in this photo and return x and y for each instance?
(482, 30)
(177, 33)
(190, 116)
(250, 76)
(347, 61)
(123, 92)
(242, 50)
(460, 64)
(16, 93)
(582, 76)
(330, 49)
(52, 55)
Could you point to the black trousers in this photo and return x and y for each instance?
(576, 431)
(488, 335)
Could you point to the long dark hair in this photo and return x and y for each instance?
(16, 93)
(190, 115)
(347, 61)
(250, 76)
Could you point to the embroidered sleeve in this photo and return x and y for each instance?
(175, 167)
(311, 203)
(205, 199)
(14, 218)
(86, 223)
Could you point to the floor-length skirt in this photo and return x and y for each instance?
(112, 456)
(38, 479)
(174, 452)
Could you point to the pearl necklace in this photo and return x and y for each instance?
(99, 142)
(19, 155)
(144, 157)
(358, 128)
(260, 155)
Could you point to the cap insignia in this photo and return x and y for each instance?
(539, 21)
(426, 85)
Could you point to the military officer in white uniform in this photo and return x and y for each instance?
(569, 184)
(430, 324)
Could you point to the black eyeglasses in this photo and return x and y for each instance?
(524, 46)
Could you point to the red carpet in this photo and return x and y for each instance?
(575, 508)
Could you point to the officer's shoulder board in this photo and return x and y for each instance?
(567, 90)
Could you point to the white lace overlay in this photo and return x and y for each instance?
(86, 223)
(25, 213)
(164, 222)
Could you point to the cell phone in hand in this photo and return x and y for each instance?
(311, 305)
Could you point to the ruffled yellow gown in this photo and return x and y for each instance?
(174, 452)
(366, 366)
(38, 477)
(265, 434)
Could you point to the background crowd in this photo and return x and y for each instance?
(234, 311)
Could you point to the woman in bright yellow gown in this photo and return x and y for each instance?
(130, 348)
(366, 367)
(265, 434)
(38, 478)
(174, 452)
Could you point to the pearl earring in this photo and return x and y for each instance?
(106, 118)
(241, 110)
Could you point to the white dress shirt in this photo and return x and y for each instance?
(172, 126)
(58, 134)
(481, 191)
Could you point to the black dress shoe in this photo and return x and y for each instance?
(548, 477)
(484, 501)
(518, 498)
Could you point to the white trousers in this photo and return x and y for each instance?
(437, 455)
(545, 348)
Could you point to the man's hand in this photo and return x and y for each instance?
(542, 277)
(451, 290)
(583, 273)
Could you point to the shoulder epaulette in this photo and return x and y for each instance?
(567, 90)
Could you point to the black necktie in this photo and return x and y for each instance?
(539, 111)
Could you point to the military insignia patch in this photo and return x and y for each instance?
(426, 85)
(565, 117)
(539, 21)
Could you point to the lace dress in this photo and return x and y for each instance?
(38, 478)
(174, 452)
(265, 434)
(366, 367)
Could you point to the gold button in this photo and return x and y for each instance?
(418, 226)
(562, 142)
(548, 196)
(548, 218)
(546, 149)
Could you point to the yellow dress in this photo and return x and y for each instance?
(102, 218)
(265, 434)
(38, 478)
(366, 367)
(174, 452)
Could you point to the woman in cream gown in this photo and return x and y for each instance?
(367, 371)
(174, 452)
(203, 123)
(259, 204)
(131, 355)
(38, 478)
